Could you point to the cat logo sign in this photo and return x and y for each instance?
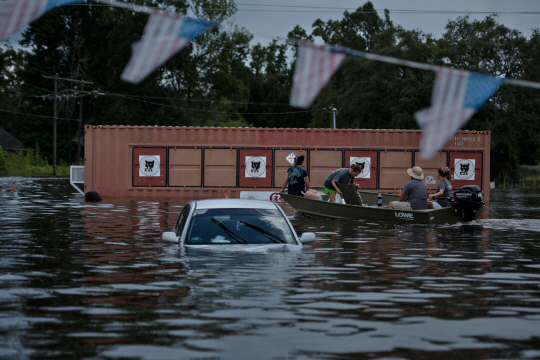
(365, 166)
(256, 166)
(464, 169)
(149, 165)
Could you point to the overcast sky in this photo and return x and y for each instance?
(266, 20)
(269, 19)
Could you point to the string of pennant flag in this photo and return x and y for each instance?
(457, 94)
(164, 35)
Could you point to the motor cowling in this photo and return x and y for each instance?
(467, 202)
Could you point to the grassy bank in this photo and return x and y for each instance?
(28, 163)
(527, 178)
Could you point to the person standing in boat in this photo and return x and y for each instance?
(298, 181)
(340, 176)
(444, 190)
(414, 194)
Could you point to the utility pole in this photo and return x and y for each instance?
(333, 112)
(54, 127)
(56, 78)
(79, 128)
(332, 126)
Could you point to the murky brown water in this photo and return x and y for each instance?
(95, 281)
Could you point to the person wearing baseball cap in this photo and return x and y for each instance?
(414, 195)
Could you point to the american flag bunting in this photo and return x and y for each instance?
(456, 97)
(16, 14)
(314, 67)
(164, 35)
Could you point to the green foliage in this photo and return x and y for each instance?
(3, 162)
(530, 170)
(28, 163)
(504, 161)
(528, 177)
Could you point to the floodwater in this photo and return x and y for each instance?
(95, 281)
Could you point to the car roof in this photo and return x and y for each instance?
(233, 204)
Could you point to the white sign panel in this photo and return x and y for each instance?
(430, 180)
(365, 166)
(149, 165)
(256, 166)
(290, 158)
(261, 195)
(464, 169)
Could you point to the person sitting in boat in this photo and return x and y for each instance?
(340, 176)
(414, 195)
(298, 181)
(444, 190)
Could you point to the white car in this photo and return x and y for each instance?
(252, 225)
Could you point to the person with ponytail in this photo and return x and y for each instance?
(444, 191)
(298, 181)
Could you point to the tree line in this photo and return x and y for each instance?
(220, 79)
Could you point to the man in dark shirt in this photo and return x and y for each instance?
(414, 195)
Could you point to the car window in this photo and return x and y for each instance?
(181, 222)
(238, 226)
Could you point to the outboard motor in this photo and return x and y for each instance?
(467, 202)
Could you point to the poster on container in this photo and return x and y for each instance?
(464, 169)
(149, 165)
(256, 166)
(290, 158)
(365, 166)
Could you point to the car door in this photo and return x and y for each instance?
(181, 222)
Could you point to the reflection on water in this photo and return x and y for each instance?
(83, 280)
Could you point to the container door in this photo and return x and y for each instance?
(465, 169)
(255, 168)
(431, 167)
(394, 165)
(220, 167)
(322, 163)
(367, 160)
(185, 167)
(149, 166)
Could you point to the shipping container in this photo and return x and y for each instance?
(201, 162)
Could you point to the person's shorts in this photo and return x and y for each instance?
(436, 205)
(328, 191)
(297, 192)
(402, 205)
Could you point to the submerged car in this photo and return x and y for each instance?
(252, 225)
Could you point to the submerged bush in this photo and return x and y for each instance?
(3, 161)
(526, 177)
(28, 162)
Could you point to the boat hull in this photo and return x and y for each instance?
(344, 211)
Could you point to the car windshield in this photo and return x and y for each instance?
(238, 226)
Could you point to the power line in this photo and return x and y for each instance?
(169, 98)
(41, 116)
(129, 97)
(20, 93)
(37, 87)
(317, 9)
(199, 100)
(217, 112)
